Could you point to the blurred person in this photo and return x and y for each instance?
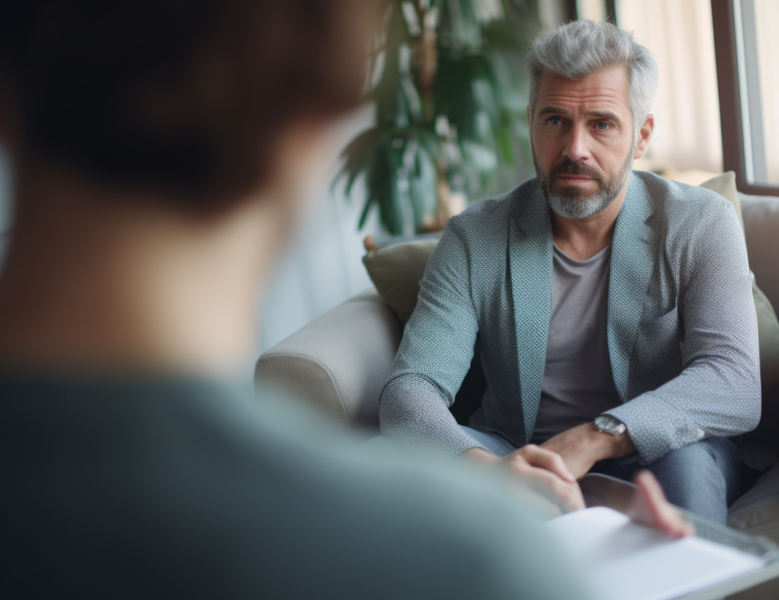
(159, 150)
(612, 308)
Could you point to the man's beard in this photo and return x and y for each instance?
(572, 202)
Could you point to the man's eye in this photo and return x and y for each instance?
(555, 121)
(602, 126)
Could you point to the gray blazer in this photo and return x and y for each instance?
(682, 331)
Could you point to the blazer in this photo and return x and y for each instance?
(681, 324)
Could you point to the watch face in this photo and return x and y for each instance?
(604, 422)
(607, 424)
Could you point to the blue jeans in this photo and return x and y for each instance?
(703, 477)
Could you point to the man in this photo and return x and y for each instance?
(612, 309)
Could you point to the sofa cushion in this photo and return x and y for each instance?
(396, 270)
(757, 511)
(761, 223)
(725, 186)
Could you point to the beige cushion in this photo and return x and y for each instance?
(761, 223)
(396, 271)
(767, 323)
(725, 185)
(757, 511)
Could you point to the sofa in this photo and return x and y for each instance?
(339, 362)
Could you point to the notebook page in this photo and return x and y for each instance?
(626, 561)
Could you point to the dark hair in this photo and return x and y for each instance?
(184, 95)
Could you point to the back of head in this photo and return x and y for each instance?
(184, 96)
(584, 47)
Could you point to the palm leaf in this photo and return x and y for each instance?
(478, 90)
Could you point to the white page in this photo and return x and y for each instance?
(626, 561)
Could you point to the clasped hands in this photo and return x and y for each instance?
(555, 466)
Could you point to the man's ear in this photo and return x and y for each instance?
(644, 135)
(527, 111)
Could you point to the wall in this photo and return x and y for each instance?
(323, 265)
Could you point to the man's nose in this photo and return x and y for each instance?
(576, 148)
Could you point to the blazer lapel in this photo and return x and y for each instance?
(630, 270)
(530, 266)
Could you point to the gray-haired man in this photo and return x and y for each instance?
(613, 308)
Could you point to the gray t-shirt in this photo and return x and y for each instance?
(578, 384)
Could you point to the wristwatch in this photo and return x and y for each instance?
(612, 426)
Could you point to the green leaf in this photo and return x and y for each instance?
(478, 88)
(504, 141)
(364, 142)
(365, 211)
(358, 154)
(428, 139)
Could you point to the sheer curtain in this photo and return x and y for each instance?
(767, 22)
(687, 120)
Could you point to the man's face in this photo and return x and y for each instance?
(582, 140)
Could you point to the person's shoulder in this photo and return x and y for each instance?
(250, 496)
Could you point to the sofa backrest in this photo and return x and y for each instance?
(761, 225)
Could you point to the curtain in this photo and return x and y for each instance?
(687, 120)
(767, 23)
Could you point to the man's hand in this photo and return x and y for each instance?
(581, 447)
(540, 469)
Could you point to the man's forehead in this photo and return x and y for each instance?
(607, 88)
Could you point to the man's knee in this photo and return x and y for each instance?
(716, 452)
(699, 453)
(709, 466)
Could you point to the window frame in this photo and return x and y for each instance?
(730, 98)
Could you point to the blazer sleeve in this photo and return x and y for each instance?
(717, 393)
(434, 355)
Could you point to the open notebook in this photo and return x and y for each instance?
(627, 561)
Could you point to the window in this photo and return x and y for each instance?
(686, 143)
(746, 45)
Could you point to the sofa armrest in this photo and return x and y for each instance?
(338, 362)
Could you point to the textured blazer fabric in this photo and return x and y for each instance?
(682, 331)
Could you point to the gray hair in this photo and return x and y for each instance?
(584, 47)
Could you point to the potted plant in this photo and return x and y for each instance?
(445, 79)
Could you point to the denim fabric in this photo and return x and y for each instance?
(704, 477)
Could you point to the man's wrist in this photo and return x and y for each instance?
(611, 442)
(604, 445)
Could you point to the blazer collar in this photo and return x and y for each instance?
(629, 273)
(530, 268)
